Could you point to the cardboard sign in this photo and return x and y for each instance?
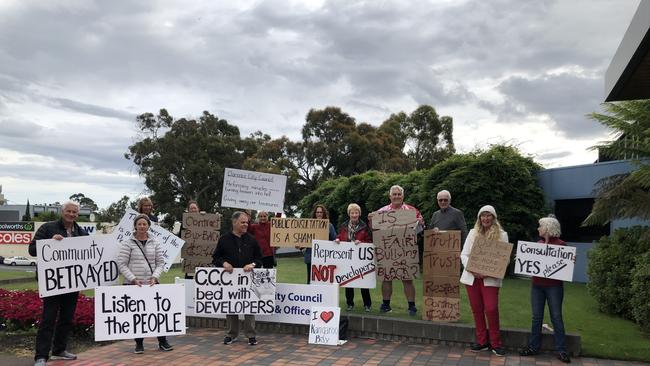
(201, 234)
(292, 232)
(126, 312)
(442, 268)
(397, 253)
(293, 302)
(545, 260)
(489, 258)
(384, 220)
(441, 309)
(75, 264)
(170, 243)
(219, 292)
(253, 190)
(347, 264)
(324, 326)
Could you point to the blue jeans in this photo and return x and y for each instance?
(553, 296)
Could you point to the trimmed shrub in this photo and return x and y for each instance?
(641, 292)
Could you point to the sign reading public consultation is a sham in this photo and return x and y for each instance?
(253, 190)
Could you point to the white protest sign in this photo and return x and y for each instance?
(253, 190)
(75, 264)
(219, 292)
(125, 312)
(346, 263)
(545, 260)
(293, 302)
(324, 326)
(170, 243)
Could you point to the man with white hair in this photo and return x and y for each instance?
(448, 217)
(58, 310)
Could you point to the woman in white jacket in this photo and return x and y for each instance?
(141, 262)
(483, 292)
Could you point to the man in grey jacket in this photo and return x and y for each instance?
(448, 217)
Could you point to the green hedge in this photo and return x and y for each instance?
(641, 292)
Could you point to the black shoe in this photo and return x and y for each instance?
(528, 351)
(564, 357)
(227, 340)
(64, 355)
(139, 348)
(164, 346)
(475, 347)
(499, 351)
(252, 341)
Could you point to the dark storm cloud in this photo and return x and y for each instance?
(91, 109)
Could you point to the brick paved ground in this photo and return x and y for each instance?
(204, 347)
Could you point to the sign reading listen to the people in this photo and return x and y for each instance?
(441, 264)
(396, 245)
(219, 292)
(291, 232)
(201, 234)
(170, 243)
(75, 264)
(125, 312)
(346, 263)
(253, 190)
(489, 257)
(545, 260)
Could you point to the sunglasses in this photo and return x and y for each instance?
(443, 199)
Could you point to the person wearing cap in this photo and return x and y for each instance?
(448, 217)
(141, 262)
(483, 292)
(550, 291)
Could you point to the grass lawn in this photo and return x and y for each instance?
(602, 335)
(9, 275)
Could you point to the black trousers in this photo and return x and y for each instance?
(365, 294)
(268, 262)
(56, 324)
(161, 339)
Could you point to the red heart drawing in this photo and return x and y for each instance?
(326, 315)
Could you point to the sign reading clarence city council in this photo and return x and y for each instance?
(253, 190)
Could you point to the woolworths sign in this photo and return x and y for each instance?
(16, 232)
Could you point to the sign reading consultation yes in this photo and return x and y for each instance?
(545, 260)
(346, 263)
(75, 264)
(170, 243)
(253, 190)
(125, 312)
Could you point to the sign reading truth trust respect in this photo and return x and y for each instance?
(545, 260)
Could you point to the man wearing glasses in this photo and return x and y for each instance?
(448, 217)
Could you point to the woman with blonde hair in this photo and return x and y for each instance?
(482, 291)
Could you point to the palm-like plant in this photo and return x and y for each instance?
(625, 195)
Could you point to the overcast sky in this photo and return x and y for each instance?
(74, 74)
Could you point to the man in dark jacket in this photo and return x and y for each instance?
(58, 306)
(238, 249)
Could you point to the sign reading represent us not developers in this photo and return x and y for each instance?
(253, 190)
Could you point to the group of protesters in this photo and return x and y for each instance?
(247, 246)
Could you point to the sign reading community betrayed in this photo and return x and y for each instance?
(346, 263)
(489, 258)
(253, 190)
(219, 292)
(293, 302)
(396, 245)
(170, 243)
(125, 312)
(441, 265)
(292, 232)
(201, 234)
(75, 264)
(324, 326)
(545, 260)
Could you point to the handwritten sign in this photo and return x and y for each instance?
(324, 326)
(397, 253)
(489, 258)
(293, 302)
(219, 292)
(441, 267)
(292, 232)
(170, 243)
(384, 220)
(75, 264)
(201, 234)
(253, 190)
(346, 263)
(545, 260)
(125, 312)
